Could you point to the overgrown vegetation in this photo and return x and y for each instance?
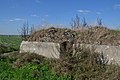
(82, 64)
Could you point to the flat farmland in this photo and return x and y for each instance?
(9, 43)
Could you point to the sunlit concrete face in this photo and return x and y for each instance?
(47, 49)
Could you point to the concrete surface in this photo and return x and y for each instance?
(52, 50)
(112, 53)
(47, 49)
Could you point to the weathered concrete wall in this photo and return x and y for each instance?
(52, 50)
(47, 49)
(112, 53)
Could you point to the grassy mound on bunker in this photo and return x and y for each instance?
(99, 35)
(52, 35)
(93, 35)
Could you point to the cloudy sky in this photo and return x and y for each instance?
(13, 13)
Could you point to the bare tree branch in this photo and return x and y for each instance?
(75, 24)
(99, 21)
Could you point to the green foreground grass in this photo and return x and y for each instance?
(29, 71)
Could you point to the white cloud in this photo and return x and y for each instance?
(16, 19)
(61, 24)
(11, 20)
(46, 15)
(43, 19)
(84, 11)
(34, 15)
(89, 11)
(117, 6)
(98, 13)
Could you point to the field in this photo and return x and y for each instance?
(9, 43)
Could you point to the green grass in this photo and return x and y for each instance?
(9, 43)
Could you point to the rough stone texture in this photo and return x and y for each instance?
(47, 49)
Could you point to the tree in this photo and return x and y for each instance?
(32, 29)
(77, 19)
(24, 32)
(99, 21)
(84, 23)
(75, 22)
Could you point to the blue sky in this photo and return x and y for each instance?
(13, 13)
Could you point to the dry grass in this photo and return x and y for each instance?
(93, 35)
(51, 35)
(99, 35)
